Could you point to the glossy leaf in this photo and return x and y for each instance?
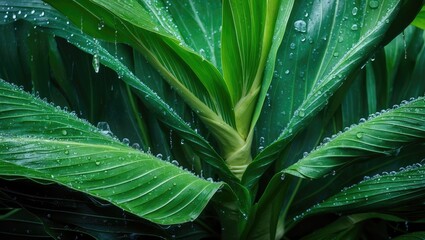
(59, 26)
(383, 133)
(381, 193)
(420, 19)
(197, 81)
(326, 43)
(40, 141)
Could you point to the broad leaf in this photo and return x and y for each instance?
(198, 82)
(420, 19)
(389, 192)
(327, 42)
(40, 141)
(384, 133)
(70, 214)
(57, 24)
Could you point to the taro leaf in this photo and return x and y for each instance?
(53, 22)
(384, 134)
(40, 141)
(327, 42)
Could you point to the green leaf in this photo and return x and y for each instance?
(18, 223)
(199, 23)
(64, 212)
(39, 141)
(61, 27)
(411, 236)
(383, 134)
(381, 193)
(248, 34)
(420, 19)
(325, 44)
(197, 81)
(348, 226)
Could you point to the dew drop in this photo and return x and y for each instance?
(66, 152)
(354, 11)
(64, 132)
(104, 128)
(354, 27)
(126, 141)
(202, 52)
(96, 63)
(374, 4)
(97, 163)
(300, 26)
(301, 112)
(292, 45)
(359, 135)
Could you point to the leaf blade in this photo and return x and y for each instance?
(52, 148)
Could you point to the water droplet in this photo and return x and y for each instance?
(374, 4)
(301, 112)
(202, 52)
(104, 128)
(96, 63)
(287, 71)
(340, 39)
(64, 132)
(135, 146)
(175, 162)
(97, 163)
(126, 141)
(336, 54)
(66, 152)
(100, 25)
(42, 14)
(359, 135)
(354, 27)
(300, 26)
(354, 11)
(292, 45)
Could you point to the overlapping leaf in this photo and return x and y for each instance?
(327, 42)
(197, 81)
(55, 23)
(43, 142)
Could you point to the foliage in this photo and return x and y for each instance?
(215, 119)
